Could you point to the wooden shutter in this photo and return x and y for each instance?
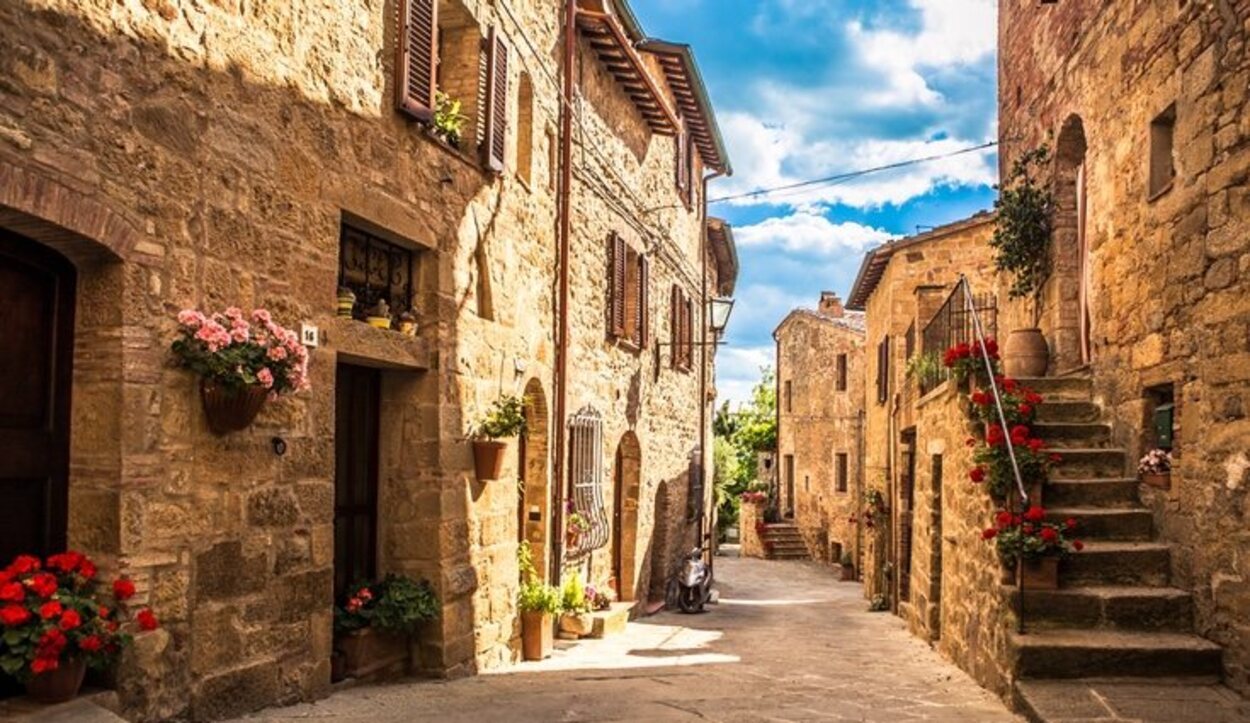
(495, 139)
(674, 326)
(417, 60)
(616, 286)
(642, 328)
(682, 163)
(689, 317)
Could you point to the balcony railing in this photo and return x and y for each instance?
(954, 324)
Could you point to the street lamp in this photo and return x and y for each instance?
(719, 308)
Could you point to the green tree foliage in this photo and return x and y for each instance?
(1022, 232)
(740, 436)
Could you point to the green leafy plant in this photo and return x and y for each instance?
(449, 119)
(879, 604)
(396, 604)
(1022, 230)
(573, 596)
(538, 597)
(506, 418)
(926, 368)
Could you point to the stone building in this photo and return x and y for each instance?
(820, 378)
(167, 155)
(901, 286)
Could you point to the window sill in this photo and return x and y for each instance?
(387, 348)
(438, 142)
(626, 345)
(1151, 198)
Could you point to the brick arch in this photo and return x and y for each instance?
(627, 491)
(1067, 304)
(71, 222)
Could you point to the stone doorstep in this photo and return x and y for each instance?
(596, 625)
(1083, 653)
(1170, 700)
(1118, 563)
(1092, 493)
(1106, 523)
(88, 707)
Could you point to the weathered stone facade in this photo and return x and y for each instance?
(901, 285)
(184, 155)
(1117, 90)
(820, 376)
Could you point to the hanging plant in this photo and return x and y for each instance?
(1021, 239)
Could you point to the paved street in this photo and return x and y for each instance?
(787, 642)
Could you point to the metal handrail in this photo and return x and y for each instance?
(1002, 419)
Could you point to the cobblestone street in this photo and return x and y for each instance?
(787, 642)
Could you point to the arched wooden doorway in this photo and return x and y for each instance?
(534, 488)
(626, 492)
(1070, 290)
(37, 296)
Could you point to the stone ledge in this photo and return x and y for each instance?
(385, 348)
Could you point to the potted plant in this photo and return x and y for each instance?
(241, 363)
(1021, 244)
(505, 419)
(1156, 469)
(1032, 546)
(576, 607)
(449, 119)
(376, 620)
(926, 369)
(600, 597)
(848, 567)
(576, 524)
(994, 468)
(57, 623)
(966, 361)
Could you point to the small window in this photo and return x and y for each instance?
(1162, 160)
(629, 315)
(681, 329)
(842, 472)
(375, 269)
(883, 371)
(841, 372)
(789, 396)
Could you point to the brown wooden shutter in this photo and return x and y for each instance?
(495, 139)
(689, 316)
(642, 329)
(674, 327)
(417, 60)
(683, 165)
(616, 286)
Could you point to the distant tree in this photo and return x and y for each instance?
(740, 437)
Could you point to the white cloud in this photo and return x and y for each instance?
(809, 232)
(738, 371)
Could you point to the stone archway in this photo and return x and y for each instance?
(1067, 306)
(534, 487)
(627, 490)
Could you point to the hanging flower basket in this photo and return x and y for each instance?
(59, 685)
(231, 410)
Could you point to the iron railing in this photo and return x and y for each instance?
(954, 324)
(586, 475)
(964, 291)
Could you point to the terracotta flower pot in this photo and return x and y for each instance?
(1161, 481)
(231, 410)
(60, 685)
(1026, 354)
(537, 635)
(367, 651)
(488, 457)
(1040, 573)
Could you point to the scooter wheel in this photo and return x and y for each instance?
(691, 600)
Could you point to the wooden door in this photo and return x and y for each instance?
(357, 407)
(618, 520)
(36, 365)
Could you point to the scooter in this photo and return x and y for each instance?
(694, 582)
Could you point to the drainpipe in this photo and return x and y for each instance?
(703, 446)
(859, 493)
(563, 232)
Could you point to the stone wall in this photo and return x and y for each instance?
(185, 154)
(818, 422)
(1168, 289)
(749, 514)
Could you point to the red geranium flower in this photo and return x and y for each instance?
(147, 620)
(980, 398)
(43, 665)
(994, 436)
(123, 589)
(12, 615)
(70, 619)
(1035, 514)
(1033, 398)
(44, 585)
(66, 561)
(1070, 523)
(1056, 458)
(87, 569)
(1025, 410)
(1036, 445)
(50, 609)
(1027, 529)
(1078, 545)
(23, 564)
(1009, 385)
(989, 533)
(977, 475)
(12, 592)
(1049, 535)
(91, 643)
(1004, 519)
(1020, 430)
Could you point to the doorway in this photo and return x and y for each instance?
(789, 462)
(906, 513)
(626, 491)
(356, 423)
(37, 296)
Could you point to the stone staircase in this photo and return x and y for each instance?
(785, 542)
(1115, 615)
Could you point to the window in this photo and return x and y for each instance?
(586, 479)
(841, 372)
(1162, 163)
(883, 371)
(841, 472)
(417, 58)
(628, 301)
(374, 269)
(681, 329)
(789, 396)
(495, 137)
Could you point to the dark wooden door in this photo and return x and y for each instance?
(356, 420)
(618, 521)
(36, 365)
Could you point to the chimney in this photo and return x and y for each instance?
(831, 305)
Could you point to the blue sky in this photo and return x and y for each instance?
(811, 88)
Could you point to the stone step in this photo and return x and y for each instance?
(1091, 493)
(1081, 463)
(89, 707)
(1124, 608)
(610, 622)
(1061, 410)
(1074, 653)
(1074, 434)
(1118, 563)
(788, 556)
(1105, 523)
(1191, 698)
(1061, 388)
